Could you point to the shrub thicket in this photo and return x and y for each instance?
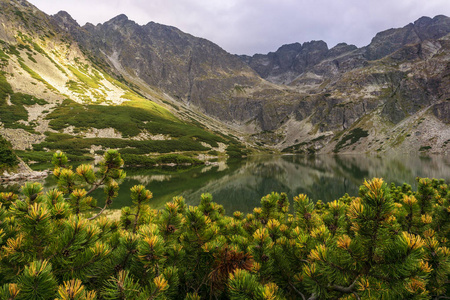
(388, 243)
(353, 136)
(7, 157)
(234, 151)
(15, 110)
(128, 120)
(80, 146)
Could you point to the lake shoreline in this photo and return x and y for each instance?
(22, 173)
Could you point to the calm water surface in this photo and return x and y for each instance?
(239, 185)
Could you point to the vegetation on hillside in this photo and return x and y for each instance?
(353, 136)
(128, 120)
(8, 159)
(136, 118)
(388, 243)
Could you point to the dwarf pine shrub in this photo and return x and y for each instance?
(388, 243)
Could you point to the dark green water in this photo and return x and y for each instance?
(239, 185)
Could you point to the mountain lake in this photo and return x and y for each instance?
(239, 185)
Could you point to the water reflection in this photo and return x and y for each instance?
(239, 185)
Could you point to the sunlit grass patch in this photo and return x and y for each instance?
(88, 80)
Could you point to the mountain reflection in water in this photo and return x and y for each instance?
(239, 185)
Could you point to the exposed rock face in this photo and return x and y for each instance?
(401, 75)
(289, 61)
(442, 111)
(400, 99)
(193, 70)
(389, 41)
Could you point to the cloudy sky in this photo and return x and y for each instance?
(259, 26)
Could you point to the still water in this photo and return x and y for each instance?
(239, 185)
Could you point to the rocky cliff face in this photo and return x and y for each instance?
(397, 103)
(192, 70)
(389, 41)
(289, 61)
(401, 75)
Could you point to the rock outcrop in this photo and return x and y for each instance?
(22, 173)
(290, 61)
(389, 41)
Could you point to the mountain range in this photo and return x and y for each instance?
(155, 89)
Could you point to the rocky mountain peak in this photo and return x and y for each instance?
(391, 40)
(340, 49)
(65, 18)
(295, 47)
(289, 61)
(120, 19)
(192, 70)
(315, 46)
(434, 28)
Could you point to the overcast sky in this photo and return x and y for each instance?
(259, 26)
